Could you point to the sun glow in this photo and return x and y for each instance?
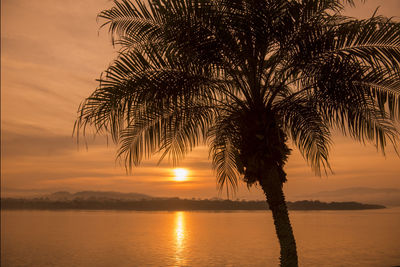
(181, 175)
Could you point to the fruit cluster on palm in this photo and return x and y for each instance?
(245, 77)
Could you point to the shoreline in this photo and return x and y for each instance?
(174, 204)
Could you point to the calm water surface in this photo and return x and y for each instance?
(126, 238)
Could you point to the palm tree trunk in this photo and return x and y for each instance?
(276, 201)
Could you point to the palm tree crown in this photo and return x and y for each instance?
(245, 76)
(190, 71)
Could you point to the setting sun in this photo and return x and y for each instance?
(180, 174)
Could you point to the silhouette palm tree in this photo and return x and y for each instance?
(245, 77)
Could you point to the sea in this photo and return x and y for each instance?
(180, 238)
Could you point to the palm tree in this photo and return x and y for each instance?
(246, 77)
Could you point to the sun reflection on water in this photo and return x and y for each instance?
(179, 238)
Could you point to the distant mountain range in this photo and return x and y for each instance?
(95, 195)
(383, 196)
(169, 204)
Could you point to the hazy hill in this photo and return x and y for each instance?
(383, 196)
(95, 195)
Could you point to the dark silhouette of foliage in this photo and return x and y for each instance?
(245, 77)
(171, 204)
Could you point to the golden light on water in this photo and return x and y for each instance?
(179, 229)
(181, 174)
(179, 238)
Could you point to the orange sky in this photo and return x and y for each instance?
(52, 52)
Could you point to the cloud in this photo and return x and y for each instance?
(19, 145)
(32, 141)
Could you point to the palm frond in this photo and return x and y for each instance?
(375, 42)
(135, 20)
(175, 131)
(366, 124)
(384, 87)
(308, 130)
(224, 152)
(186, 131)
